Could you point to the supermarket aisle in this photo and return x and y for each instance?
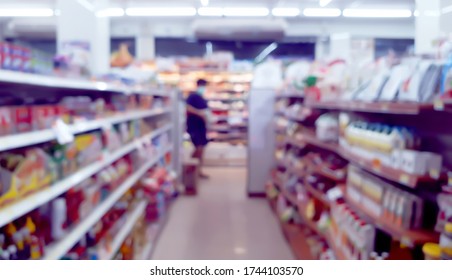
(222, 223)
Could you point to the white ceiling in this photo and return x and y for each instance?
(269, 3)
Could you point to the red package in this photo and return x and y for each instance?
(63, 113)
(22, 118)
(44, 116)
(6, 123)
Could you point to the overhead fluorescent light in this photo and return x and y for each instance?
(286, 12)
(377, 13)
(161, 12)
(316, 12)
(38, 12)
(324, 3)
(246, 12)
(110, 12)
(210, 12)
(205, 2)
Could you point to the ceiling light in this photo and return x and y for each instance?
(324, 3)
(210, 12)
(205, 2)
(110, 12)
(39, 12)
(246, 12)
(285, 12)
(168, 12)
(314, 12)
(376, 13)
(447, 10)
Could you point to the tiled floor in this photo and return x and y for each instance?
(221, 222)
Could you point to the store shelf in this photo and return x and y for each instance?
(34, 80)
(396, 175)
(232, 99)
(317, 194)
(150, 245)
(326, 172)
(309, 138)
(397, 108)
(297, 241)
(292, 198)
(29, 203)
(61, 247)
(41, 136)
(126, 229)
(294, 118)
(406, 237)
(147, 249)
(340, 255)
(290, 94)
(389, 173)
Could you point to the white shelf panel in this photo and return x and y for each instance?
(146, 252)
(72, 84)
(29, 203)
(36, 137)
(58, 249)
(126, 229)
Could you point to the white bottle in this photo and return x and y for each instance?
(58, 218)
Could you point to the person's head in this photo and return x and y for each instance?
(201, 84)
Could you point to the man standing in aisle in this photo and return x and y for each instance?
(197, 116)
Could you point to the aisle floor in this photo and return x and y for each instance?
(221, 222)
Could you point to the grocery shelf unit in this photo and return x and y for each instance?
(156, 147)
(403, 243)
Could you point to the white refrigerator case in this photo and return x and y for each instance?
(261, 139)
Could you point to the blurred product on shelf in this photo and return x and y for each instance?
(72, 110)
(388, 203)
(29, 236)
(327, 128)
(23, 59)
(411, 79)
(354, 236)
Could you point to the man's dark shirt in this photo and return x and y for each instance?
(196, 124)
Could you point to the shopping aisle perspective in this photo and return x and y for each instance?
(221, 222)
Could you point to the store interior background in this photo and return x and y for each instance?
(268, 195)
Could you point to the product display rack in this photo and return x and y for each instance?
(36, 137)
(60, 87)
(132, 219)
(26, 80)
(59, 248)
(402, 108)
(399, 176)
(27, 204)
(409, 238)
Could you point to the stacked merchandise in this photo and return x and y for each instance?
(360, 185)
(21, 117)
(23, 59)
(70, 167)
